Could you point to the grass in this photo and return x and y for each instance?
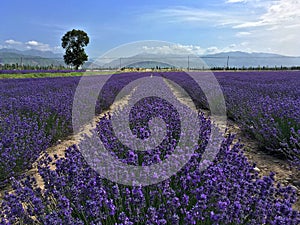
(44, 75)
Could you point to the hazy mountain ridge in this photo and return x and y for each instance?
(245, 59)
(32, 52)
(234, 59)
(30, 57)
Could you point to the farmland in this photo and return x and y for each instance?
(12, 74)
(36, 114)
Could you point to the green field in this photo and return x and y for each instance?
(41, 75)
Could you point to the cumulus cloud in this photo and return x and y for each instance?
(12, 42)
(31, 44)
(179, 49)
(38, 46)
(277, 29)
(267, 25)
(281, 13)
(174, 49)
(243, 46)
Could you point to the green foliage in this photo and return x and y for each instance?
(41, 75)
(17, 66)
(74, 42)
(45, 75)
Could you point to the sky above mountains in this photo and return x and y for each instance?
(209, 26)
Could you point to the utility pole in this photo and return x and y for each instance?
(21, 62)
(227, 62)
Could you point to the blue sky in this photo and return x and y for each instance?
(201, 26)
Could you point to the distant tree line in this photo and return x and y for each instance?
(206, 68)
(257, 68)
(16, 66)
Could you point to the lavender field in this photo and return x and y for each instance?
(266, 105)
(37, 114)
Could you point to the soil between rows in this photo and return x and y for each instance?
(265, 163)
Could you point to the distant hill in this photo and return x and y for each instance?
(32, 52)
(30, 57)
(145, 60)
(236, 59)
(240, 59)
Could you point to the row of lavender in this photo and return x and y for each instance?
(36, 113)
(229, 191)
(265, 104)
(39, 71)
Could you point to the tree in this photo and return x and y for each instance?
(74, 42)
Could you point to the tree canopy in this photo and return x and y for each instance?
(74, 42)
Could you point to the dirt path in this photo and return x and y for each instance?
(265, 163)
(74, 139)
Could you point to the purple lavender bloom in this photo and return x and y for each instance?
(227, 192)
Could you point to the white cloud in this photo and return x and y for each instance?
(252, 3)
(179, 49)
(38, 46)
(244, 46)
(231, 15)
(276, 29)
(185, 14)
(264, 24)
(279, 14)
(57, 48)
(243, 34)
(174, 49)
(32, 44)
(196, 16)
(235, 1)
(12, 42)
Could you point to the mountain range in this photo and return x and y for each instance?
(236, 59)
(256, 59)
(30, 57)
(148, 60)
